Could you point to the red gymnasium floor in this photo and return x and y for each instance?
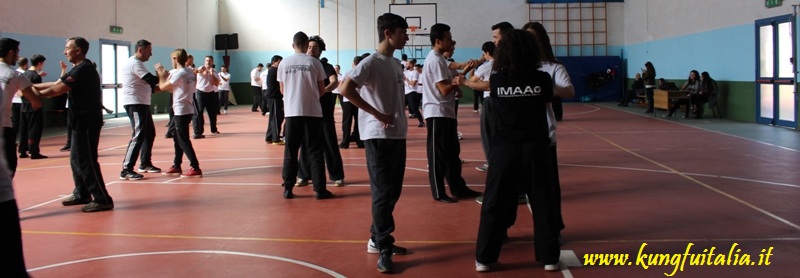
(628, 180)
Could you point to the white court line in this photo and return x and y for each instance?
(684, 173)
(703, 129)
(215, 252)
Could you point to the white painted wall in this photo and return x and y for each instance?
(648, 20)
(164, 23)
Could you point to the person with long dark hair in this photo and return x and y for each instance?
(708, 89)
(562, 88)
(520, 152)
(693, 86)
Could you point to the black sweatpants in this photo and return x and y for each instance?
(386, 163)
(144, 133)
(182, 143)
(333, 158)
(86, 172)
(275, 119)
(305, 132)
(350, 125)
(12, 261)
(208, 101)
(413, 105)
(526, 164)
(443, 157)
(30, 131)
(256, 98)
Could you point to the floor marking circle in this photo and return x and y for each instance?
(302, 263)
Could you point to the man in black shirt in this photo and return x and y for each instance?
(274, 102)
(85, 119)
(32, 120)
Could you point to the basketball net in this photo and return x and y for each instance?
(412, 29)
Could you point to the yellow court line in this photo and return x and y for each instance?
(743, 202)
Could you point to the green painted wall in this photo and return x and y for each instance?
(737, 99)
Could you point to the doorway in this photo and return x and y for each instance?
(775, 74)
(113, 55)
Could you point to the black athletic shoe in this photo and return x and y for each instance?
(385, 264)
(130, 175)
(447, 199)
(71, 201)
(94, 207)
(324, 194)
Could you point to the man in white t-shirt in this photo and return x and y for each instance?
(256, 86)
(137, 86)
(301, 82)
(327, 102)
(224, 88)
(206, 98)
(263, 103)
(412, 95)
(16, 102)
(383, 127)
(13, 263)
(438, 107)
(480, 83)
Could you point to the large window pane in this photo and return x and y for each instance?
(766, 51)
(786, 103)
(785, 50)
(767, 101)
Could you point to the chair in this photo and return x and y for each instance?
(714, 105)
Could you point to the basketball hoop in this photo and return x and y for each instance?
(412, 29)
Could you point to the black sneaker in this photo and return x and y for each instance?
(199, 136)
(385, 264)
(396, 250)
(71, 201)
(130, 175)
(23, 155)
(324, 194)
(149, 169)
(94, 206)
(38, 156)
(64, 149)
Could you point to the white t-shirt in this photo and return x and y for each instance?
(263, 77)
(6, 190)
(483, 72)
(224, 85)
(411, 75)
(299, 75)
(183, 87)
(134, 89)
(339, 77)
(204, 81)
(381, 81)
(10, 82)
(560, 79)
(434, 104)
(255, 73)
(17, 99)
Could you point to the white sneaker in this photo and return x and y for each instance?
(479, 267)
(338, 183)
(552, 267)
(301, 182)
(225, 111)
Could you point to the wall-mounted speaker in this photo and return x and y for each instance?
(226, 41)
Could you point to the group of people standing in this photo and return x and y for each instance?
(520, 75)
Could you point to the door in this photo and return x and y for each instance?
(113, 55)
(775, 74)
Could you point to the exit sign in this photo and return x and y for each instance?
(115, 29)
(772, 3)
